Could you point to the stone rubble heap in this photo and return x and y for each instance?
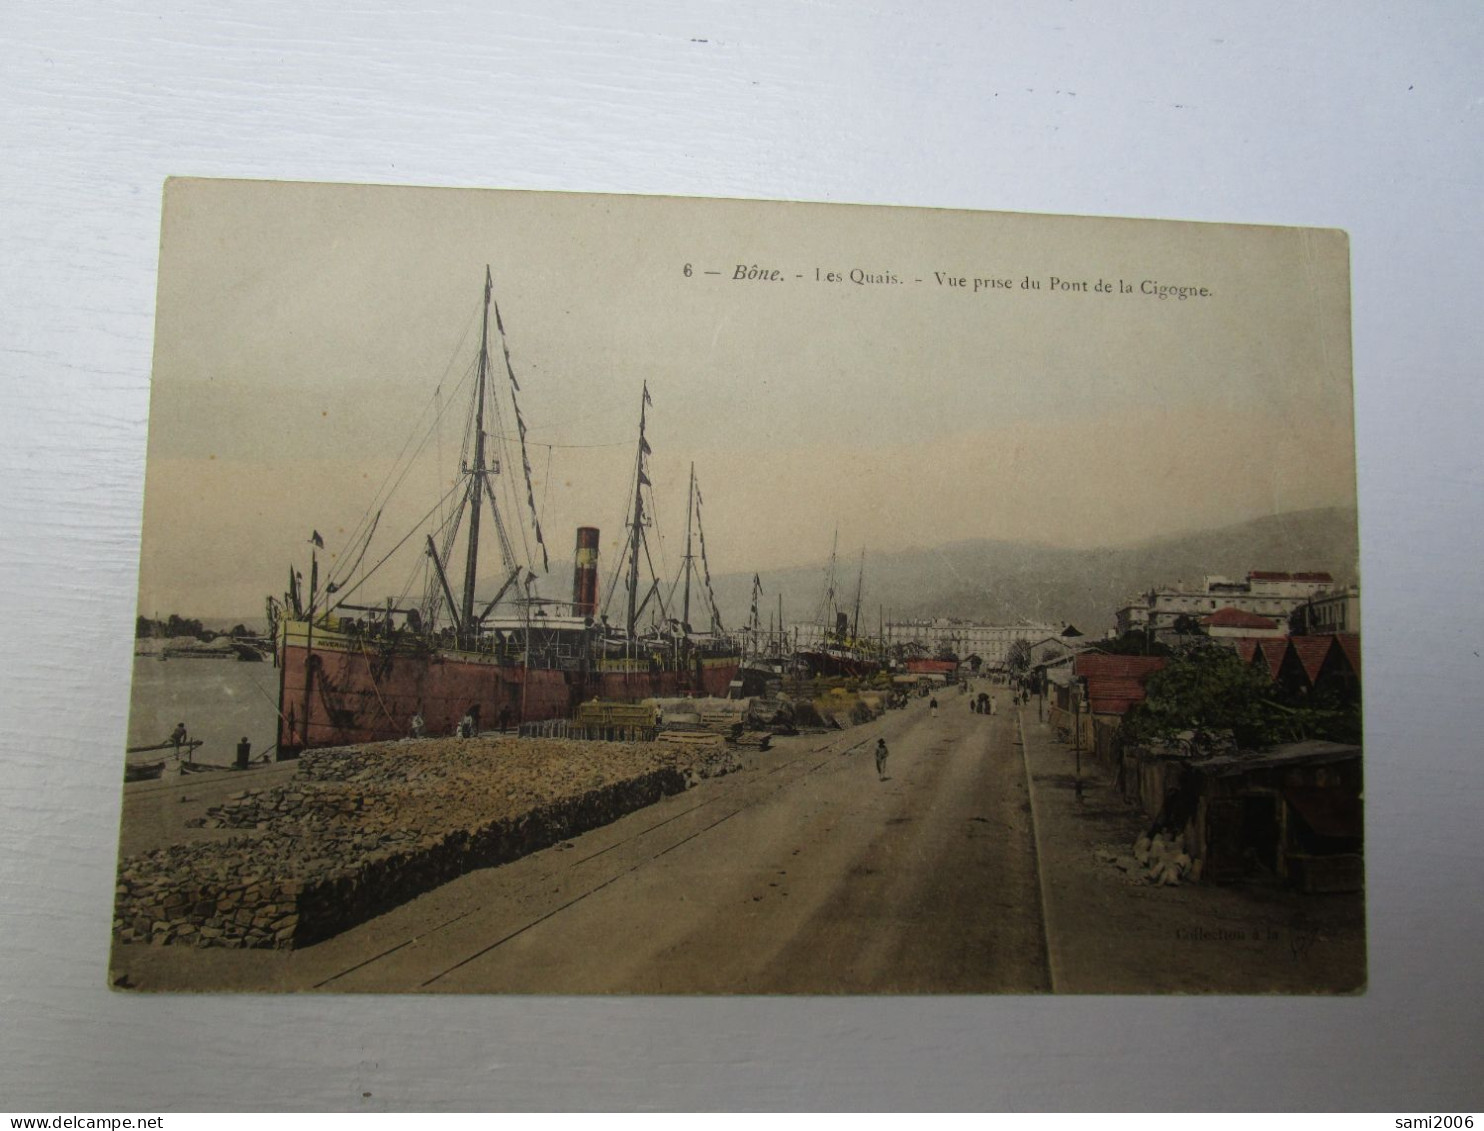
(1160, 860)
(362, 829)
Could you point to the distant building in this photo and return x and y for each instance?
(1266, 593)
(1335, 611)
(991, 642)
(1053, 648)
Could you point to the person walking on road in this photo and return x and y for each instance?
(881, 753)
(933, 706)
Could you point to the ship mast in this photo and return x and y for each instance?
(855, 620)
(477, 471)
(827, 606)
(636, 530)
(689, 556)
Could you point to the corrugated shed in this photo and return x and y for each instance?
(1116, 683)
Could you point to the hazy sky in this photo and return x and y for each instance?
(306, 332)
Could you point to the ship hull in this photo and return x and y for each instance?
(336, 690)
(832, 665)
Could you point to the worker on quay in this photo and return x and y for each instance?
(179, 738)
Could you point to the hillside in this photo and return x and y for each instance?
(1004, 581)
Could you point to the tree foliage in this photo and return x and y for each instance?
(172, 626)
(1212, 689)
(1135, 642)
(1206, 689)
(1018, 659)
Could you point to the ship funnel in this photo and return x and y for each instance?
(585, 573)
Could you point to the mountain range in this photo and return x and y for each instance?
(1000, 582)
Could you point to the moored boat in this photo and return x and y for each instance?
(362, 673)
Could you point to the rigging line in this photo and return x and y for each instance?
(365, 545)
(525, 461)
(384, 493)
(706, 566)
(407, 587)
(345, 594)
(546, 485)
(664, 610)
(525, 458)
(565, 447)
(432, 593)
(654, 517)
(679, 573)
(627, 513)
(507, 553)
(512, 501)
(450, 533)
(437, 391)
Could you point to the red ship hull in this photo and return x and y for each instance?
(336, 692)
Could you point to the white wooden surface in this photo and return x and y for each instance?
(1365, 117)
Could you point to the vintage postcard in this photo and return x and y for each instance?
(563, 594)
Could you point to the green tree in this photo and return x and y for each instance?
(1212, 688)
(1135, 642)
(1208, 689)
(1018, 659)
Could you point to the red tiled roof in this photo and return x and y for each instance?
(1273, 651)
(1115, 683)
(1246, 648)
(1114, 696)
(1349, 643)
(1311, 652)
(1104, 664)
(1230, 617)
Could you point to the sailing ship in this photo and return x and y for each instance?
(837, 648)
(767, 657)
(354, 673)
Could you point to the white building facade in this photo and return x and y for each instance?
(990, 642)
(1267, 593)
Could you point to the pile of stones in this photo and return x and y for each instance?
(1160, 860)
(362, 829)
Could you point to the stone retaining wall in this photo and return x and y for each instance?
(361, 830)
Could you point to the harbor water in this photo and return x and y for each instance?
(219, 701)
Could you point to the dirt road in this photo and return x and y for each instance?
(803, 873)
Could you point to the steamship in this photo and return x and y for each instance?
(838, 649)
(354, 673)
